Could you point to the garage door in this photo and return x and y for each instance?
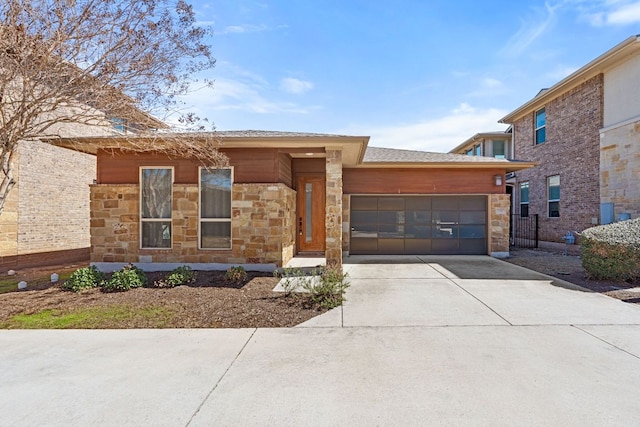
(418, 225)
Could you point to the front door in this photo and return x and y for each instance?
(311, 213)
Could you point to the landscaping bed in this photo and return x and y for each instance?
(211, 301)
(569, 268)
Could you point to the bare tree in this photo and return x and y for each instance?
(88, 62)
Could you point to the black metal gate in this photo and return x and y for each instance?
(524, 231)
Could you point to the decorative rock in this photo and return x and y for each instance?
(54, 278)
(22, 285)
(11, 273)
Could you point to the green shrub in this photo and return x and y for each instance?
(84, 278)
(328, 291)
(612, 251)
(182, 275)
(128, 278)
(236, 274)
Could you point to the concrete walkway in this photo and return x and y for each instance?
(419, 341)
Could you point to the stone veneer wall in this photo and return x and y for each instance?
(333, 250)
(262, 226)
(572, 150)
(620, 168)
(499, 224)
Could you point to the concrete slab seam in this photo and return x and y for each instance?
(606, 342)
(220, 379)
(480, 301)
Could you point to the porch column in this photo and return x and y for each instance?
(333, 222)
(499, 219)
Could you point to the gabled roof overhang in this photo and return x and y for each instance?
(601, 64)
(296, 144)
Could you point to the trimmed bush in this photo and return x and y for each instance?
(84, 278)
(612, 251)
(182, 275)
(128, 278)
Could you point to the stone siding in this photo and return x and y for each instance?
(572, 151)
(262, 226)
(499, 224)
(346, 223)
(333, 250)
(620, 168)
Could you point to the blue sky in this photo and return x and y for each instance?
(422, 75)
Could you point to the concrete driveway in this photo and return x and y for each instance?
(420, 341)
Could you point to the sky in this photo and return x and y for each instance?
(419, 75)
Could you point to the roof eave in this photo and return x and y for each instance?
(596, 66)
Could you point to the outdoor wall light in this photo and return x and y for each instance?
(498, 179)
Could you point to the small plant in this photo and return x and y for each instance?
(182, 275)
(236, 274)
(84, 278)
(128, 278)
(328, 291)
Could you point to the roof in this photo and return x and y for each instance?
(609, 59)
(302, 144)
(482, 135)
(394, 157)
(272, 134)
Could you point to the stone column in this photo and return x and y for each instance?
(500, 222)
(333, 222)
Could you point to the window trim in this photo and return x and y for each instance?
(201, 220)
(520, 187)
(549, 199)
(538, 128)
(170, 219)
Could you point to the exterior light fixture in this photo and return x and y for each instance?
(498, 179)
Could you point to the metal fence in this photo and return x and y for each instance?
(524, 231)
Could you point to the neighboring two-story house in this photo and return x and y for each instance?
(45, 219)
(489, 144)
(585, 133)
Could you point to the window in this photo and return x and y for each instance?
(524, 199)
(541, 123)
(215, 208)
(478, 150)
(118, 124)
(498, 149)
(155, 207)
(470, 152)
(553, 192)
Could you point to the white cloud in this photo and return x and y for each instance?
(295, 86)
(601, 13)
(531, 29)
(245, 28)
(438, 134)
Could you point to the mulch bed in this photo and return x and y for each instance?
(210, 302)
(569, 268)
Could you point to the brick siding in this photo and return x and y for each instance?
(573, 121)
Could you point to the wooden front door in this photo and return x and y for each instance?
(311, 213)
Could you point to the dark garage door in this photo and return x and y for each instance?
(418, 225)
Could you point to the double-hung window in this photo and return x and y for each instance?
(156, 184)
(553, 193)
(215, 208)
(478, 149)
(541, 126)
(524, 199)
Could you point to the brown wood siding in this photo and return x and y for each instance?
(307, 167)
(250, 166)
(421, 181)
(285, 171)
